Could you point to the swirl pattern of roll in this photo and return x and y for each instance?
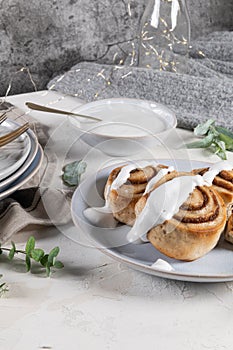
(223, 184)
(123, 200)
(194, 230)
(228, 235)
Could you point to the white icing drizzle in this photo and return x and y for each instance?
(174, 13)
(156, 178)
(102, 216)
(162, 204)
(162, 265)
(155, 14)
(215, 169)
(106, 195)
(124, 173)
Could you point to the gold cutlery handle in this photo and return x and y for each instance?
(40, 108)
(11, 136)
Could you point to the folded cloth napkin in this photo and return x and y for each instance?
(26, 208)
(205, 92)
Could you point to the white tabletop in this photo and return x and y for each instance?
(96, 302)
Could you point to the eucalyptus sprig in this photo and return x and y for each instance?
(216, 138)
(47, 261)
(72, 173)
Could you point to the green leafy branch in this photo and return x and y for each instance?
(47, 261)
(216, 138)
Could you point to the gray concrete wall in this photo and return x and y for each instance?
(50, 36)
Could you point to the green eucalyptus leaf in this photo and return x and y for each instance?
(227, 140)
(28, 263)
(11, 253)
(202, 129)
(224, 131)
(220, 149)
(58, 265)
(221, 154)
(48, 270)
(13, 245)
(44, 260)
(37, 254)
(30, 245)
(220, 144)
(53, 254)
(72, 172)
(203, 143)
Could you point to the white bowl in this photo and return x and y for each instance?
(128, 126)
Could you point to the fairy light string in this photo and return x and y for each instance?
(127, 56)
(158, 38)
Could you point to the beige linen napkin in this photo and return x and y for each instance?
(26, 208)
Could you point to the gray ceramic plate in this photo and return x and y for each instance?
(26, 176)
(216, 266)
(5, 183)
(13, 155)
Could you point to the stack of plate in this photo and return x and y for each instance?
(19, 160)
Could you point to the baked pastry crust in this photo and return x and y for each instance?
(223, 184)
(123, 200)
(228, 234)
(194, 230)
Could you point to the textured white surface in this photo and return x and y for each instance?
(97, 303)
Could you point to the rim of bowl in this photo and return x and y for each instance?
(169, 127)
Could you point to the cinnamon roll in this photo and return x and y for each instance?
(223, 184)
(182, 218)
(123, 190)
(167, 177)
(228, 235)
